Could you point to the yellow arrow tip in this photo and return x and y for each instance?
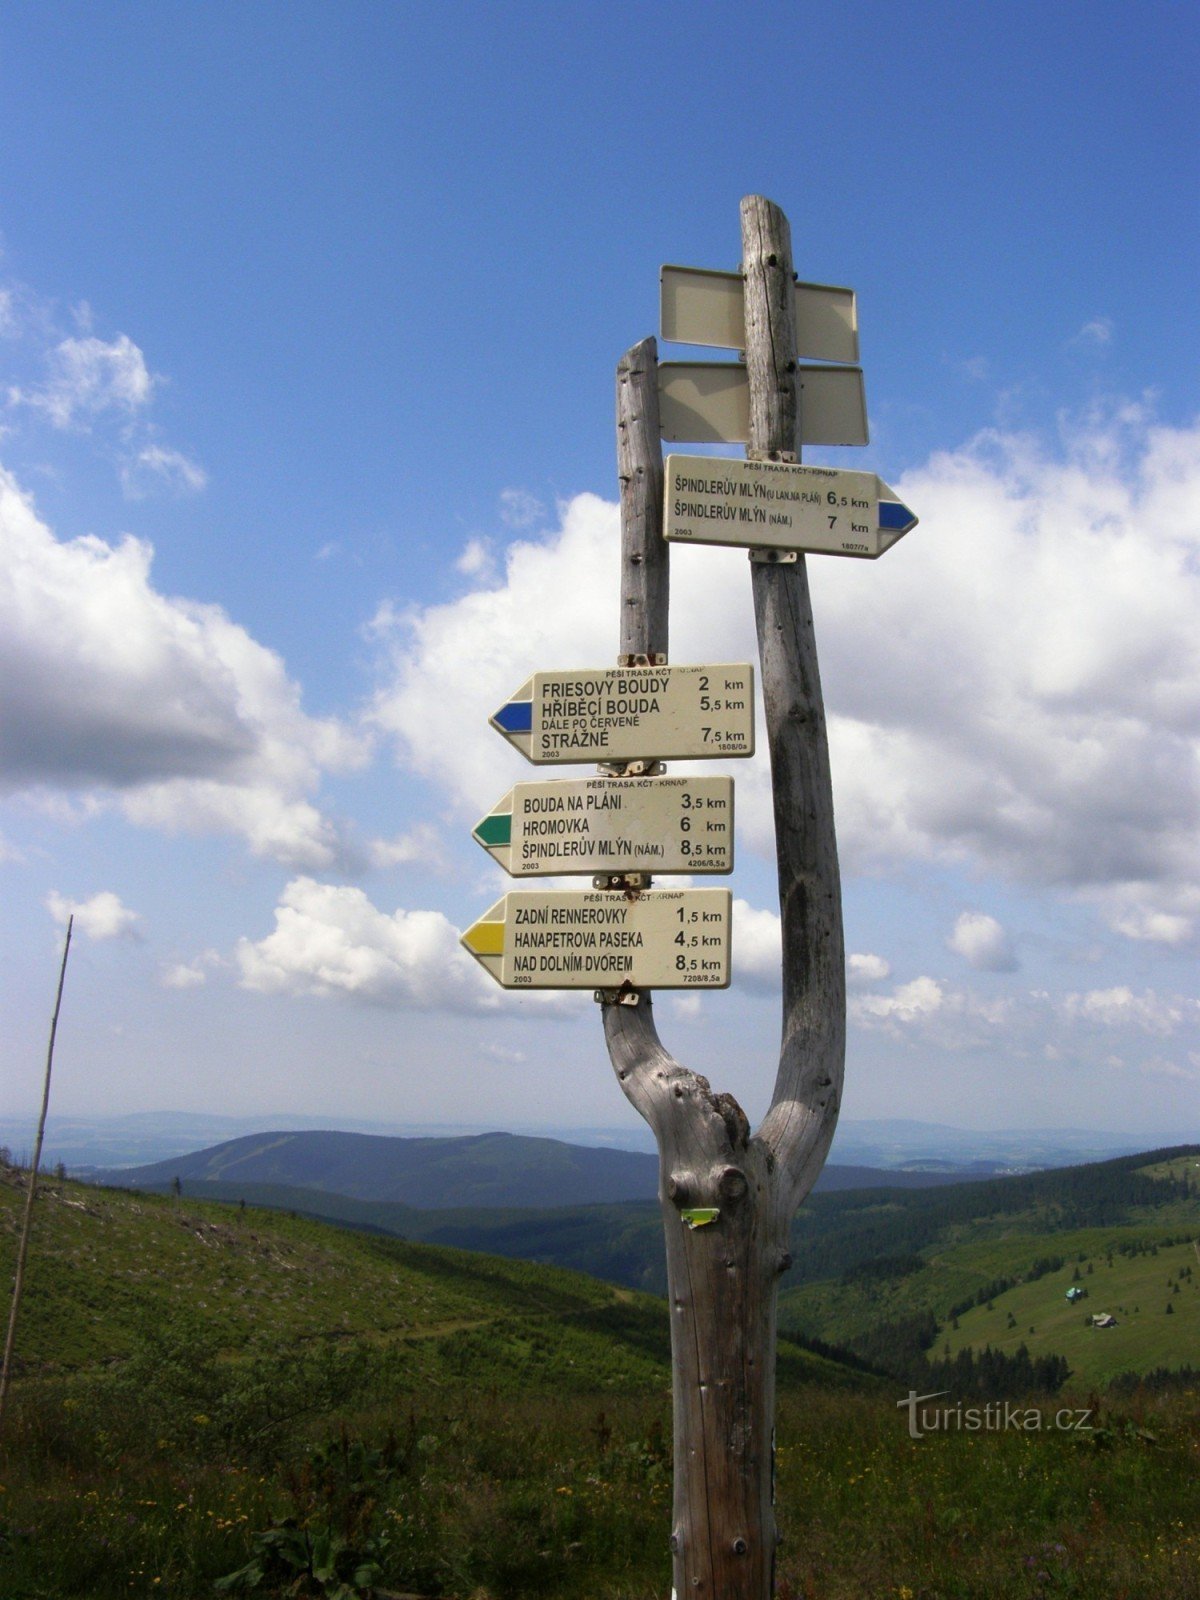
(485, 938)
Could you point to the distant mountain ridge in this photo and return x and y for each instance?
(91, 1146)
(466, 1171)
(488, 1169)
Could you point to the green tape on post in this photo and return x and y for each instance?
(700, 1216)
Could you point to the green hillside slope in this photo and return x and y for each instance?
(834, 1234)
(942, 1281)
(108, 1268)
(1132, 1279)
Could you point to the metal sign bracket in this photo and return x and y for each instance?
(631, 883)
(616, 997)
(631, 769)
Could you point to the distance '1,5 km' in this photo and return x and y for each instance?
(701, 937)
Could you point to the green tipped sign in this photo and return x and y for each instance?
(612, 825)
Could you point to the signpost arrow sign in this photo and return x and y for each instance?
(783, 506)
(612, 825)
(708, 402)
(623, 714)
(564, 939)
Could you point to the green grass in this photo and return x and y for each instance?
(842, 1311)
(482, 1495)
(109, 1268)
(205, 1390)
(105, 1262)
(1136, 1291)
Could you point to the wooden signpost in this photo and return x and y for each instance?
(625, 938)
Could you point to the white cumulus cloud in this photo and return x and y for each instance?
(908, 1003)
(1120, 1007)
(330, 940)
(163, 706)
(1015, 687)
(158, 468)
(982, 942)
(190, 974)
(865, 969)
(1098, 331)
(184, 975)
(100, 917)
(757, 942)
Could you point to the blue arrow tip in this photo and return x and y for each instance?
(515, 717)
(895, 517)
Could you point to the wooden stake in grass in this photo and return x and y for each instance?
(728, 1196)
(27, 1221)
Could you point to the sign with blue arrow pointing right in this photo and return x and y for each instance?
(780, 505)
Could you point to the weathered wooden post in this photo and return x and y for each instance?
(722, 1277)
(31, 1191)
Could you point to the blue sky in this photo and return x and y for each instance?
(308, 322)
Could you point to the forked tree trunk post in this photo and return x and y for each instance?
(722, 1277)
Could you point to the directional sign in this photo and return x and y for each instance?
(612, 825)
(631, 714)
(702, 307)
(564, 939)
(708, 402)
(779, 505)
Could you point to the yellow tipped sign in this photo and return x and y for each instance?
(564, 939)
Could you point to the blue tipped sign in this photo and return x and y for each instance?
(779, 505)
(622, 714)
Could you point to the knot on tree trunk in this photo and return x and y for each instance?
(721, 1186)
(737, 1124)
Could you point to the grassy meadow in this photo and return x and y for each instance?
(217, 1400)
(1132, 1273)
(1135, 1290)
